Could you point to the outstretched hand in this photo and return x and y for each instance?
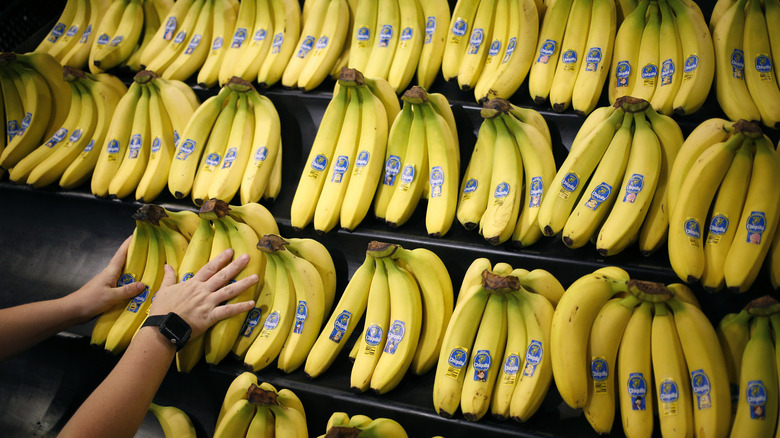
(198, 299)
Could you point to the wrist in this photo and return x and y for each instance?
(172, 327)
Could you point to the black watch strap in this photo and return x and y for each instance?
(172, 327)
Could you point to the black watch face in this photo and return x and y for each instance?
(177, 327)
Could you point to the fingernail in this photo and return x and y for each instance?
(243, 257)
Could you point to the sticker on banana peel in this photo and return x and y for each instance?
(456, 362)
(56, 32)
(276, 45)
(385, 35)
(176, 40)
(738, 64)
(481, 365)
(25, 123)
(217, 44)
(755, 395)
(156, 145)
(667, 72)
(598, 196)
(430, 28)
(362, 36)
(318, 164)
(599, 372)
(633, 187)
(116, 40)
(260, 155)
(340, 326)
(88, 148)
(459, 28)
(212, 161)
(170, 28)
(72, 31)
(510, 48)
(270, 324)
(569, 183)
(669, 394)
(533, 356)
(306, 47)
(756, 225)
(569, 60)
(719, 224)
(649, 72)
(436, 181)
(194, 42)
(137, 301)
(301, 313)
(260, 35)
(495, 49)
(406, 36)
(392, 167)
(238, 38)
(511, 368)
(362, 159)
(12, 128)
(340, 167)
(691, 64)
(764, 67)
(407, 176)
(700, 385)
(372, 339)
(250, 322)
(322, 43)
(593, 59)
(186, 277)
(501, 192)
(692, 231)
(86, 34)
(394, 336)
(186, 149)
(637, 389)
(546, 50)
(103, 39)
(622, 73)
(230, 157)
(57, 137)
(469, 188)
(477, 35)
(126, 278)
(135, 146)
(112, 149)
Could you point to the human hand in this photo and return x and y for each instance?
(101, 292)
(198, 299)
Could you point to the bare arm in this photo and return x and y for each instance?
(118, 406)
(25, 325)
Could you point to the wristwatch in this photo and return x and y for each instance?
(172, 326)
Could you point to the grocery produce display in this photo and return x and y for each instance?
(478, 262)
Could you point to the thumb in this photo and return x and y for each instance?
(170, 277)
(130, 290)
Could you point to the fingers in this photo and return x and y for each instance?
(130, 290)
(233, 289)
(221, 312)
(169, 279)
(117, 262)
(228, 272)
(214, 265)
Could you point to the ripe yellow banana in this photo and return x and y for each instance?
(624, 70)
(460, 26)
(436, 16)
(548, 49)
(698, 57)
(634, 369)
(475, 188)
(594, 66)
(136, 156)
(375, 331)
(572, 52)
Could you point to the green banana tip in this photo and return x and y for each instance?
(763, 306)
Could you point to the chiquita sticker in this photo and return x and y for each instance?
(533, 356)
(186, 149)
(252, 318)
(599, 372)
(340, 326)
(270, 324)
(501, 192)
(437, 181)
(510, 48)
(692, 231)
(238, 38)
(137, 301)
(569, 183)
(362, 37)
(340, 167)
(477, 35)
(456, 361)
(598, 196)
(392, 167)
(301, 313)
(230, 157)
(135, 146)
(633, 188)
(700, 385)
(430, 28)
(738, 64)
(374, 336)
(481, 365)
(511, 368)
(622, 73)
(385, 35)
(669, 394)
(306, 47)
(126, 278)
(756, 225)
(276, 45)
(459, 28)
(546, 50)
(469, 188)
(394, 336)
(691, 64)
(755, 396)
(637, 389)
(667, 72)
(719, 224)
(593, 59)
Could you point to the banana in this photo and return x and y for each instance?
(342, 322)
(155, 175)
(191, 57)
(442, 107)
(236, 391)
(624, 68)
(669, 63)
(363, 35)
(483, 368)
(52, 73)
(263, 423)
(698, 54)
(242, 37)
(548, 50)
(541, 282)
(570, 179)
(512, 360)
(592, 121)
(78, 55)
(288, 422)
(12, 106)
(192, 143)
(384, 91)
(214, 150)
(381, 427)
(388, 29)
(648, 57)
(639, 183)
(60, 26)
(266, 146)
(733, 332)
(329, 45)
(573, 317)
(184, 221)
(772, 16)
(474, 189)
(236, 420)
(224, 20)
(759, 73)
(169, 27)
(313, 175)
(258, 217)
(376, 326)
(594, 66)
(757, 406)
(367, 168)
(497, 45)
(572, 52)
(151, 24)
(397, 141)
(409, 46)
(724, 209)
(136, 157)
(456, 349)
(634, 371)
(247, 60)
(104, 31)
(670, 375)
(443, 173)
(655, 228)
(175, 49)
(413, 171)
(436, 15)
(174, 421)
(707, 368)
(72, 34)
(603, 342)
(308, 37)
(264, 299)
(125, 37)
(476, 51)
(174, 243)
(720, 8)
(180, 102)
(460, 26)
(287, 30)
(757, 222)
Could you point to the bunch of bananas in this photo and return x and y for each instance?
(407, 299)
(393, 39)
(323, 38)
(748, 339)
(422, 161)
(613, 335)
(69, 155)
(573, 53)
(256, 409)
(136, 153)
(342, 171)
(664, 53)
(36, 101)
(175, 423)
(72, 36)
(342, 425)
(746, 49)
(625, 154)
(299, 289)
(720, 180)
(231, 144)
(490, 45)
(513, 142)
(502, 322)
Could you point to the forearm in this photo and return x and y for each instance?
(118, 406)
(23, 326)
